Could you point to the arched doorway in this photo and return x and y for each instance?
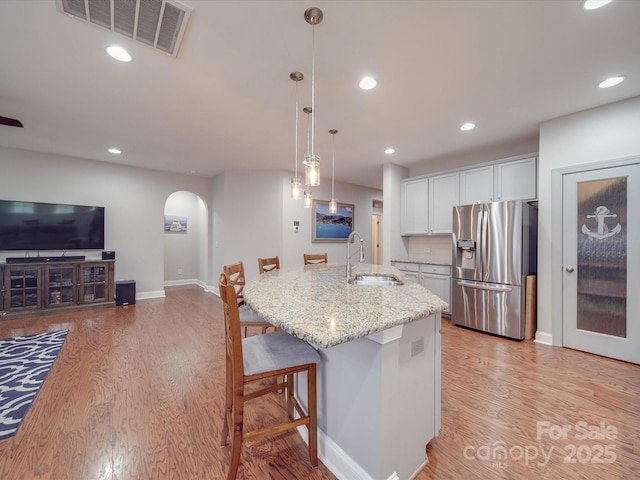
(185, 240)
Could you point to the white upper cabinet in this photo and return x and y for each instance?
(427, 204)
(476, 185)
(513, 180)
(413, 220)
(443, 196)
(516, 180)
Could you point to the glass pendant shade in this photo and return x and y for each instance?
(308, 198)
(312, 170)
(333, 206)
(296, 188)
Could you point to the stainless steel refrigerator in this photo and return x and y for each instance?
(494, 249)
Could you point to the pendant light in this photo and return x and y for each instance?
(313, 16)
(333, 206)
(296, 183)
(308, 197)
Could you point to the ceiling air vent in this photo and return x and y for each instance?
(157, 23)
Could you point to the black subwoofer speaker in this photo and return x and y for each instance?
(125, 292)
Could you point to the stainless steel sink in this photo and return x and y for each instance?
(379, 280)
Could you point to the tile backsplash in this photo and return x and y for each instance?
(432, 247)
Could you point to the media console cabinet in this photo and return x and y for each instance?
(31, 286)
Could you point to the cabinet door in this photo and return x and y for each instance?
(414, 207)
(439, 285)
(94, 283)
(476, 185)
(443, 196)
(22, 286)
(517, 180)
(60, 285)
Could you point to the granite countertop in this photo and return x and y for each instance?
(423, 261)
(315, 302)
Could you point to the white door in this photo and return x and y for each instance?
(376, 256)
(601, 262)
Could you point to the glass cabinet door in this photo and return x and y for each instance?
(94, 283)
(61, 285)
(23, 291)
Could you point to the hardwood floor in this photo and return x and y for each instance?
(136, 394)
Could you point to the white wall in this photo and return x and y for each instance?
(394, 246)
(474, 157)
(605, 133)
(253, 217)
(134, 201)
(295, 245)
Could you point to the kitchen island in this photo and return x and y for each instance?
(379, 380)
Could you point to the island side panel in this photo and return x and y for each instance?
(378, 402)
(411, 415)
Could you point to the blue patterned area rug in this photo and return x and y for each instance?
(24, 365)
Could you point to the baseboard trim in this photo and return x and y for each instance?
(186, 281)
(544, 338)
(336, 459)
(147, 295)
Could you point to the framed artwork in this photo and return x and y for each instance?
(175, 223)
(331, 227)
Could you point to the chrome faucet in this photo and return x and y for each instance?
(349, 254)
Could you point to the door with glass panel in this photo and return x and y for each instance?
(601, 262)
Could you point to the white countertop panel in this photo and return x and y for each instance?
(315, 302)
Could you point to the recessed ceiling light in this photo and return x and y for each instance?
(115, 151)
(367, 83)
(593, 4)
(611, 82)
(119, 53)
(468, 126)
(390, 150)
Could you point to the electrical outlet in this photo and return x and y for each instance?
(426, 250)
(417, 346)
(179, 271)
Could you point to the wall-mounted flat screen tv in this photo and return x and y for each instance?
(50, 226)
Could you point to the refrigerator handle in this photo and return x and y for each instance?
(483, 246)
(484, 286)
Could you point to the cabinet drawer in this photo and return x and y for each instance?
(407, 267)
(437, 269)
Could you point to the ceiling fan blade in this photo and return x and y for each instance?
(12, 122)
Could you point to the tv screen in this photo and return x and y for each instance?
(49, 226)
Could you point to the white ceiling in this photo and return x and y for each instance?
(226, 101)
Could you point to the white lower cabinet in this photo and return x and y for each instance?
(435, 278)
(440, 285)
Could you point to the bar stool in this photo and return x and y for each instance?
(315, 258)
(268, 264)
(248, 317)
(261, 357)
